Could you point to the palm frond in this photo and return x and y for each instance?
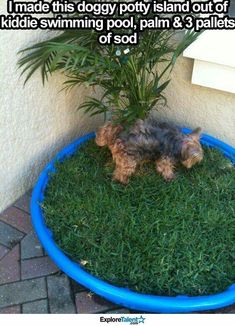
(132, 83)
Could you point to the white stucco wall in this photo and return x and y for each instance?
(35, 121)
(196, 106)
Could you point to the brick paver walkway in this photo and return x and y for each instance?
(29, 280)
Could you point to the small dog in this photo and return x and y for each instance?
(150, 140)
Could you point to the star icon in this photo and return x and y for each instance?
(141, 320)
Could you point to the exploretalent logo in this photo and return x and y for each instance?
(123, 319)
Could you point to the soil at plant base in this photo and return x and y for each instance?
(150, 236)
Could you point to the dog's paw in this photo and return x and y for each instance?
(169, 177)
(123, 181)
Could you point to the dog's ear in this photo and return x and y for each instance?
(196, 133)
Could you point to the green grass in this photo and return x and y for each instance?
(150, 236)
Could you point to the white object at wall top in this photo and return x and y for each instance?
(209, 74)
(217, 46)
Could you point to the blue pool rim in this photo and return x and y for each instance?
(118, 295)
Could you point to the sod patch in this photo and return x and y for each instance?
(151, 236)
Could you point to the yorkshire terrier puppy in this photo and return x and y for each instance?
(150, 140)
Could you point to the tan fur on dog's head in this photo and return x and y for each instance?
(192, 151)
(107, 134)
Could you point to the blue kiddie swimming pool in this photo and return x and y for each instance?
(121, 296)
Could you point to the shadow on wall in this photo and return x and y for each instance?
(192, 106)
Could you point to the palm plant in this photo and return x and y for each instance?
(132, 79)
